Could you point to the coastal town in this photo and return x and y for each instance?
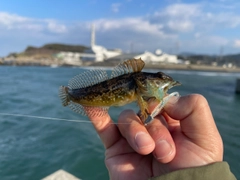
(78, 55)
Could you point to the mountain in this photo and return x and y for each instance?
(54, 48)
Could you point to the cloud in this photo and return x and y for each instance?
(13, 21)
(223, 5)
(197, 35)
(115, 7)
(185, 18)
(237, 43)
(56, 27)
(133, 24)
(8, 20)
(196, 27)
(223, 20)
(177, 17)
(122, 33)
(17, 32)
(207, 44)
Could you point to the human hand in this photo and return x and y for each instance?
(184, 136)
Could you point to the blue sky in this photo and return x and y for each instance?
(172, 25)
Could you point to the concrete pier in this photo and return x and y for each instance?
(61, 175)
(238, 86)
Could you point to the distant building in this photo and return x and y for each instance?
(101, 52)
(148, 57)
(73, 58)
(159, 56)
(120, 58)
(96, 53)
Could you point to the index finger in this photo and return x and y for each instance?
(106, 129)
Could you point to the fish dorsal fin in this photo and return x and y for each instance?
(129, 66)
(88, 78)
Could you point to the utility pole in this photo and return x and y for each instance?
(131, 47)
(177, 47)
(221, 51)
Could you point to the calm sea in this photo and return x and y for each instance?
(32, 148)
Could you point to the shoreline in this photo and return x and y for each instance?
(204, 68)
(176, 67)
(160, 66)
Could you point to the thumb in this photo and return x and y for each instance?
(196, 120)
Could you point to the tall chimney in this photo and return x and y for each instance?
(93, 35)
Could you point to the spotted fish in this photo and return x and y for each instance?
(93, 92)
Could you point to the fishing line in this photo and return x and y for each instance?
(51, 118)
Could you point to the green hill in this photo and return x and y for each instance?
(50, 49)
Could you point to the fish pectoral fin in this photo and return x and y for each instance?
(141, 89)
(92, 111)
(143, 105)
(78, 108)
(89, 111)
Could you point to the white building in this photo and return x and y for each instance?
(69, 58)
(101, 52)
(74, 58)
(159, 56)
(96, 53)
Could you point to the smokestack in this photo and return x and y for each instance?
(93, 35)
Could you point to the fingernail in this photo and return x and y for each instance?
(163, 148)
(143, 140)
(173, 99)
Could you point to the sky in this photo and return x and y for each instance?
(174, 26)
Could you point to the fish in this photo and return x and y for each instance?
(92, 93)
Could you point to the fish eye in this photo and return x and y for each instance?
(158, 83)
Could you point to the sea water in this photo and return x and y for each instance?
(32, 148)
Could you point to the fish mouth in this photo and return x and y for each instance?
(175, 83)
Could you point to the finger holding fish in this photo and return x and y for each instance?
(135, 132)
(154, 138)
(105, 127)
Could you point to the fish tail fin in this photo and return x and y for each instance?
(63, 94)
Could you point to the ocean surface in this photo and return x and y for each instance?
(32, 148)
